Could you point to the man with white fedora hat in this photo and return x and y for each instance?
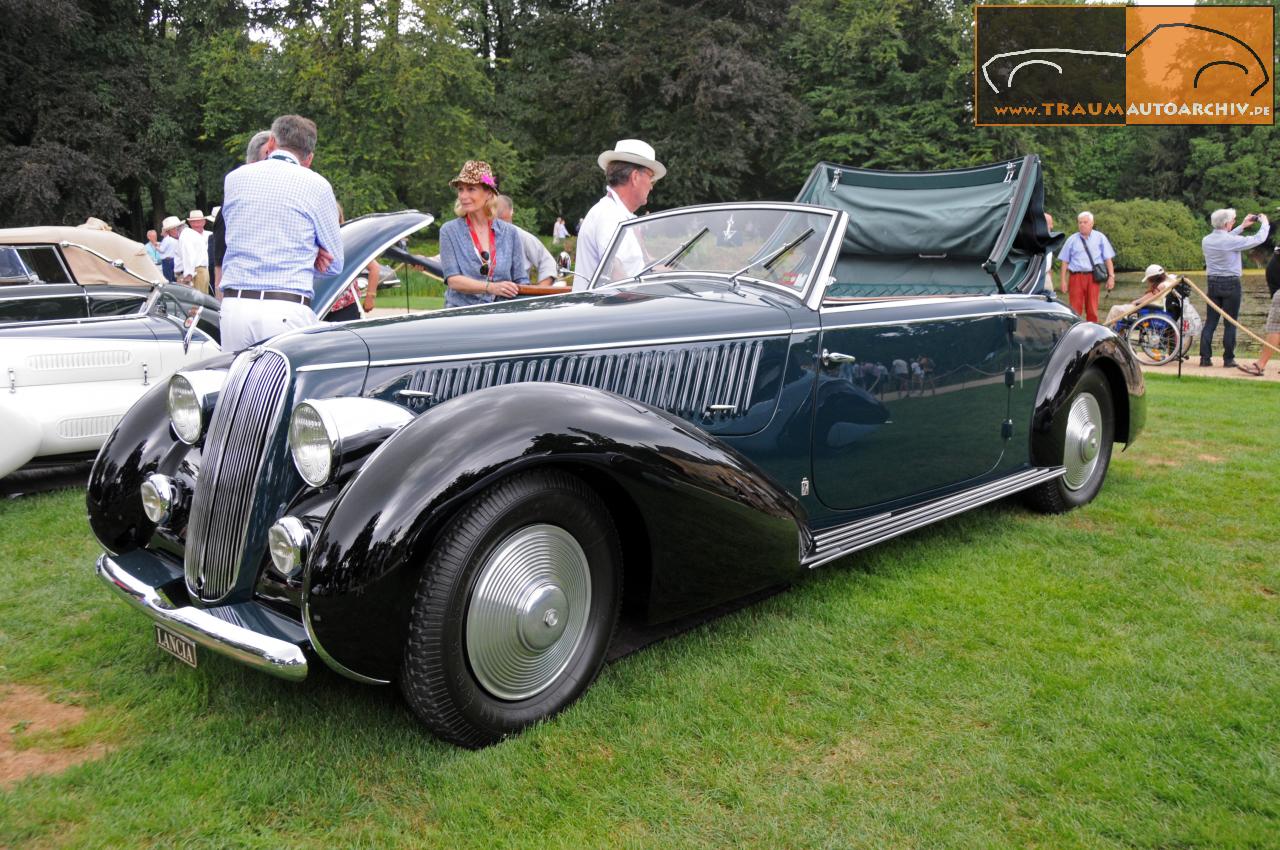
(169, 229)
(630, 170)
(193, 244)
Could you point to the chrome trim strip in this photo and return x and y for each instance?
(837, 542)
(875, 324)
(261, 652)
(322, 367)
(491, 355)
(900, 302)
(328, 659)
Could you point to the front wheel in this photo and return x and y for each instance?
(514, 610)
(1082, 436)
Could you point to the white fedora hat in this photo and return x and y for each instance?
(1153, 270)
(196, 215)
(170, 223)
(633, 150)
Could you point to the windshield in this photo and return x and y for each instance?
(774, 245)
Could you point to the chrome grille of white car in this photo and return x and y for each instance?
(690, 381)
(222, 505)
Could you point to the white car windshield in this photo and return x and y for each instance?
(773, 245)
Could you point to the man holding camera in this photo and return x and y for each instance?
(1087, 256)
(1222, 249)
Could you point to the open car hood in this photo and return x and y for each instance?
(363, 240)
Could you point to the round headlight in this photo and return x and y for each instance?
(185, 410)
(311, 444)
(192, 396)
(158, 493)
(288, 541)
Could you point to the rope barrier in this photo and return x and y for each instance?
(1141, 303)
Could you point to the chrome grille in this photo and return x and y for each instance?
(692, 381)
(222, 505)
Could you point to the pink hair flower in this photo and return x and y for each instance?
(487, 179)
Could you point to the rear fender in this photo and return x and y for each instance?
(717, 526)
(1083, 346)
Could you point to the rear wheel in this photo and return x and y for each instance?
(1082, 436)
(1154, 339)
(514, 610)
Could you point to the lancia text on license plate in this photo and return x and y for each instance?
(181, 648)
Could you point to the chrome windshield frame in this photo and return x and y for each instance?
(823, 263)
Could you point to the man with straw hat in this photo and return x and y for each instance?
(630, 170)
(193, 245)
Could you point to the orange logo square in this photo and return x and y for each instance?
(1200, 65)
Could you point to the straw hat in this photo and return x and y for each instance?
(635, 151)
(170, 223)
(1153, 270)
(196, 215)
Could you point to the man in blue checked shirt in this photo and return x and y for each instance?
(282, 226)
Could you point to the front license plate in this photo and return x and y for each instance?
(181, 648)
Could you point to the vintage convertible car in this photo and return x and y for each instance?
(88, 326)
(467, 502)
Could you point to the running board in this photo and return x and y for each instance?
(837, 542)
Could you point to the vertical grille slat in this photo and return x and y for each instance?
(222, 504)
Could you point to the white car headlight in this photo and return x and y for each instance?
(192, 396)
(325, 432)
(288, 541)
(312, 447)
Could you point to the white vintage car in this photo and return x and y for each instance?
(87, 325)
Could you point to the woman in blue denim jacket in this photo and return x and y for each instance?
(480, 254)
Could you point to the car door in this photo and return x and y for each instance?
(912, 396)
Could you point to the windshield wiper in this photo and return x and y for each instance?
(773, 258)
(673, 256)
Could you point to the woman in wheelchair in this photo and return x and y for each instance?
(1158, 282)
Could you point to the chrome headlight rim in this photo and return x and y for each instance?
(289, 542)
(190, 400)
(313, 475)
(159, 494)
(338, 427)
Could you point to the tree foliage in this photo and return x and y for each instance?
(740, 98)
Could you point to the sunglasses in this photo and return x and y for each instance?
(484, 263)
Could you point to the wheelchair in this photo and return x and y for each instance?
(1155, 335)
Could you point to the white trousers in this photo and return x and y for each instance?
(246, 321)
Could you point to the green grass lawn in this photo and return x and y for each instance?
(1107, 678)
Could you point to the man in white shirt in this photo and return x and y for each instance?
(193, 245)
(630, 171)
(535, 253)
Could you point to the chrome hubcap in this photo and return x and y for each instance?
(1083, 441)
(528, 613)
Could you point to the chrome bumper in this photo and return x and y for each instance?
(268, 653)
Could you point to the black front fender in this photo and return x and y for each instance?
(716, 526)
(1087, 345)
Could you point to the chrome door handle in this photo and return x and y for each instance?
(833, 358)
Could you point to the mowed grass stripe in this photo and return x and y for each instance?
(1107, 678)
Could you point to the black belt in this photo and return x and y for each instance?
(259, 295)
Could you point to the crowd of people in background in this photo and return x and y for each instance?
(279, 224)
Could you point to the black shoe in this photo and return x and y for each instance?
(1205, 362)
(1228, 364)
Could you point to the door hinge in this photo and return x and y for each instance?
(804, 486)
(1006, 429)
(1010, 375)
(13, 381)
(146, 376)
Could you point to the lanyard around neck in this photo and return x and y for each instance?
(285, 156)
(493, 246)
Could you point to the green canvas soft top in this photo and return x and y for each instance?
(968, 230)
